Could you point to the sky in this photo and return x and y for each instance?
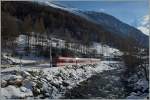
(127, 11)
(131, 12)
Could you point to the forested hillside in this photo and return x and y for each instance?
(19, 17)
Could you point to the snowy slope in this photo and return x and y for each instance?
(107, 50)
(145, 25)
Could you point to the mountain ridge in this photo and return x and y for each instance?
(64, 24)
(103, 19)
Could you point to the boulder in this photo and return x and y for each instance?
(65, 84)
(14, 77)
(29, 84)
(3, 83)
(36, 91)
(25, 73)
(23, 89)
(17, 82)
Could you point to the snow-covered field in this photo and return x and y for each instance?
(29, 82)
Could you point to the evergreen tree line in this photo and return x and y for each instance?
(31, 29)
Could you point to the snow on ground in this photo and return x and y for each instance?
(135, 96)
(17, 60)
(107, 50)
(45, 82)
(14, 92)
(25, 59)
(140, 88)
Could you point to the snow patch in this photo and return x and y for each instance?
(12, 92)
(107, 50)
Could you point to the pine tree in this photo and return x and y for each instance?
(9, 26)
(27, 28)
(39, 25)
(9, 30)
(27, 25)
(39, 29)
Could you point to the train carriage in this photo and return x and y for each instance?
(63, 61)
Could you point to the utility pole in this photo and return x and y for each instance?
(50, 50)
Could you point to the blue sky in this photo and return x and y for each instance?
(128, 11)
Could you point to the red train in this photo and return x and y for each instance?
(63, 61)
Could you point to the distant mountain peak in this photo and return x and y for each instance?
(145, 25)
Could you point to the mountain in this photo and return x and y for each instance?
(64, 23)
(116, 26)
(112, 24)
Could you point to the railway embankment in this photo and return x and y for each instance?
(46, 82)
(110, 84)
(107, 84)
